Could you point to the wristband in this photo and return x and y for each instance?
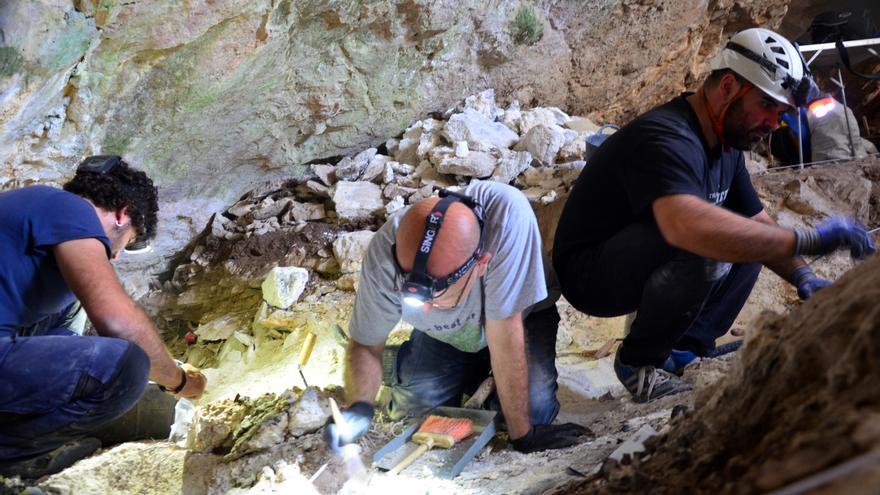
(180, 387)
(800, 274)
(807, 242)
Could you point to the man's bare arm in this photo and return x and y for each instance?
(692, 224)
(88, 273)
(507, 351)
(363, 372)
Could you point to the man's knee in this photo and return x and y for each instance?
(126, 384)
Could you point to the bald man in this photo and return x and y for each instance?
(495, 314)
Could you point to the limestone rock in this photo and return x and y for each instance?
(270, 208)
(303, 212)
(484, 104)
(357, 200)
(349, 249)
(308, 414)
(543, 142)
(570, 171)
(213, 425)
(574, 149)
(510, 165)
(581, 125)
(394, 205)
(219, 329)
(327, 173)
(474, 164)
(352, 168)
(375, 167)
(480, 133)
(547, 117)
(283, 285)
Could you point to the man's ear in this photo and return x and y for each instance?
(121, 215)
(483, 264)
(728, 87)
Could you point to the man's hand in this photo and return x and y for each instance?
(833, 234)
(807, 282)
(543, 437)
(355, 422)
(195, 383)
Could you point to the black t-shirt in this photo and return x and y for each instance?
(661, 153)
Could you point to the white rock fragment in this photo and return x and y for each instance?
(241, 208)
(541, 116)
(283, 285)
(220, 329)
(510, 165)
(375, 167)
(543, 142)
(349, 249)
(512, 116)
(394, 205)
(461, 149)
(581, 125)
(303, 212)
(574, 149)
(475, 164)
(484, 104)
(357, 200)
(480, 133)
(327, 173)
(570, 171)
(352, 168)
(308, 414)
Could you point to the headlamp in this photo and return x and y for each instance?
(420, 287)
(99, 164)
(822, 106)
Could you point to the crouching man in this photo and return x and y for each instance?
(55, 253)
(466, 271)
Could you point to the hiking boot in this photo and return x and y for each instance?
(51, 462)
(647, 383)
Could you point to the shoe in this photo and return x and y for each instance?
(647, 383)
(678, 360)
(51, 462)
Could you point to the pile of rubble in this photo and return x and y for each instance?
(318, 225)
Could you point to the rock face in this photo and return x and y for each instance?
(211, 96)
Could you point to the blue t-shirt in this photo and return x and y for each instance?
(32, 221)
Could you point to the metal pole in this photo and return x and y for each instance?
(852, 148)
(800, 140)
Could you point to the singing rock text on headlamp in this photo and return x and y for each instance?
(802, 91)
(420, 286)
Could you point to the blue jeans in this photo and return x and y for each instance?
(684, 301)
(58, 386)
(430, 373)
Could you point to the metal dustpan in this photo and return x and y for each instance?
(443, 463)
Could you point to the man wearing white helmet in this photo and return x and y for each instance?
(664, 219)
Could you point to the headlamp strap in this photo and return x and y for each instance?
(432, 227)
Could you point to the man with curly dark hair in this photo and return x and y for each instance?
(57, 387)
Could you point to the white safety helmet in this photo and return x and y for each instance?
(771, 63)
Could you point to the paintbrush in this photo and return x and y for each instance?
(436, 431)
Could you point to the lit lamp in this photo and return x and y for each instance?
(821, 106)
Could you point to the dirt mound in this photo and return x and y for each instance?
(802, 397)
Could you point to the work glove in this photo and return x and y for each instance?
(807, 282)
(544, 437)
(356, 421)
(833, 234)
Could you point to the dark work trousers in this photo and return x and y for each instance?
(58, 386)
(684, 301)
(430, 373)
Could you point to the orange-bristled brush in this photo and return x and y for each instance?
(436, 431)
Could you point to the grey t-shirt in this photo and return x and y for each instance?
(514, 282)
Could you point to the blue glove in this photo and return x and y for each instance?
(356, 421)
(833, 234)
(807, 282)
